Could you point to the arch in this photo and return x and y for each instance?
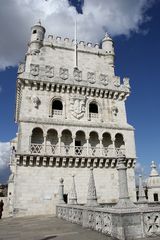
(80, 142)
(94, 143)
(93, 107)
(66, 141)
(52, 141)
(66, 137)
(93, 110)
(119, 141)
(52, 137)
(37, 136)
(106, 139)
(56, 106)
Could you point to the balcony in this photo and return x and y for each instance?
(68, 150)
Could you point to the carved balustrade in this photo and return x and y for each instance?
(68, 150)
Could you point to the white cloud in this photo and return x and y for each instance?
(4, 155)
(17, 16)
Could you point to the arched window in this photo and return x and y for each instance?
(37, 140)
(34, 31)
(57, 107)
(93, 110)
(155, 197)
(119, 144)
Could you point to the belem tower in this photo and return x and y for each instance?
(74, 154)
(71, 115)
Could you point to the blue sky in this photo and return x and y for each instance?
(137, 47)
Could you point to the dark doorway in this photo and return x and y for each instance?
(155, 196)
(65, 198)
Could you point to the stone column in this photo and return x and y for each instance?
(45, 137)
(59, 144)
(92, 195)
(74, 137)
(61, 191)
(87, 141)
(142, 197)
(124, 200)
(113, 146)
(73, 193)
(101, 147)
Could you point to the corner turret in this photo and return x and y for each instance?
(107, 45)
(37, 37)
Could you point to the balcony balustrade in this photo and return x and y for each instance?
(93, 115)
(68, 150)
(56, 112)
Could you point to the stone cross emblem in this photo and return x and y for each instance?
(34, 69)
(77, 75)
(78, 106)
(104, 79)
(91, 77)
(63, 73)
(49, 71)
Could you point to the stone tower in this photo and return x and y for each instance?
(70, 119)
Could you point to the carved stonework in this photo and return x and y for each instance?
(21, 68)
(34, 69)
(63, 73)
(78, 106)
(106, 223)
(49, 71)
(98, 222)
(90, 219)
(126, 83)
(91, 77)
(73, 193)
(36, 101)
(92, 195)
(114, 110)
(152, 224)
(104, 79)
(77, 74)
(117, 82)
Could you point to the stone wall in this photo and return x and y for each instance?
(37, 188)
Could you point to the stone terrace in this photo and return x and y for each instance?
(46, 228)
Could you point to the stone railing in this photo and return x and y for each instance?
(68, 150)
(119, 223)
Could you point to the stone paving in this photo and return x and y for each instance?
(46, 228)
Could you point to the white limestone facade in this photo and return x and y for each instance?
(70, 109)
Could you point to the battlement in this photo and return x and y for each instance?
(68, 43)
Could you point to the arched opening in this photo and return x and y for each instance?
(66, 141)
(93, 110)
(37, 140)
(107, 144)
(94, 144)
(52, 141)
(80, 142)
(155, 197)
(119, 144)
(57, 107)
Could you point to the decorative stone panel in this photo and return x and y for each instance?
(34, 69)
(91, 77)
(63, 73)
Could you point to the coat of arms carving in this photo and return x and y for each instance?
(78, 106)
(49, 71)
(21, 68)
(117, 82)
(63, 73)
(34, 69)
(77, 74)
(104, 79)
(91, 77)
